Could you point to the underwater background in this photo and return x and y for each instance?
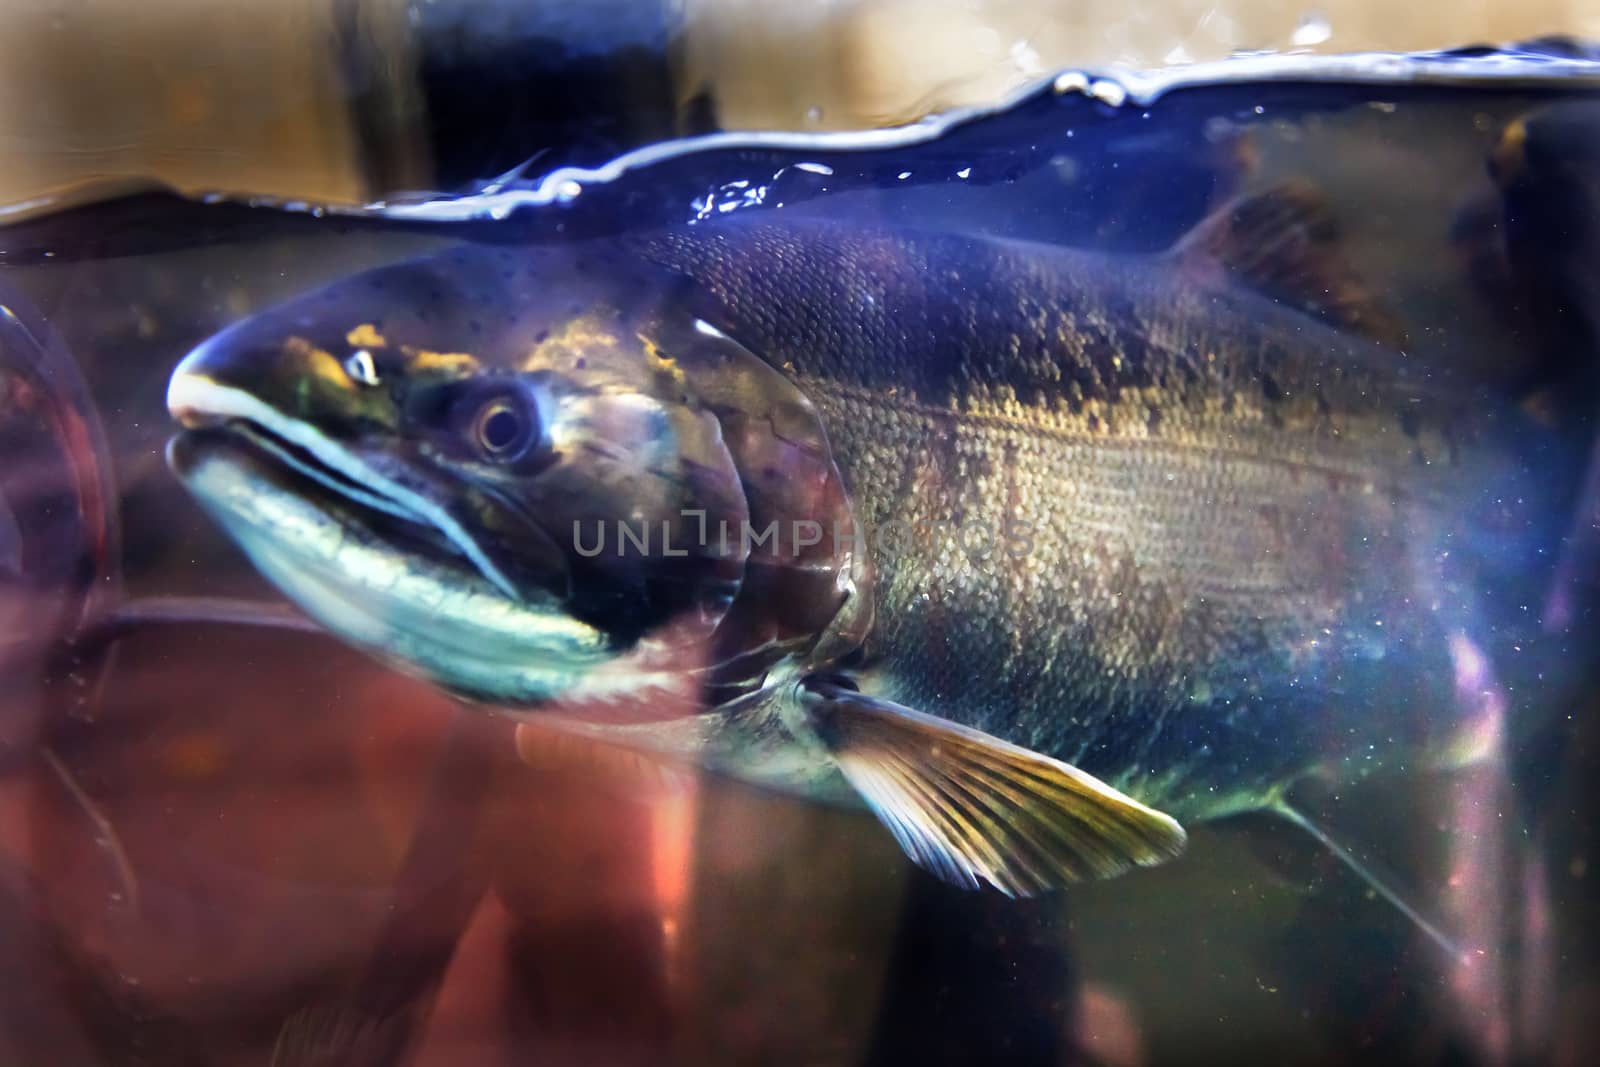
(223, 843)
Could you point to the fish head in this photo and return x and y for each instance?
(437, 460)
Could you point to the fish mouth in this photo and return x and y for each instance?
(379, 564)
(387, 520)
(327, 474)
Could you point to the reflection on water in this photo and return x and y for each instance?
(238, 843)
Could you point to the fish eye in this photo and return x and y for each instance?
(360, 366)
(502, 427)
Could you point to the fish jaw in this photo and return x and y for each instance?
(428, 615)
(199, 401)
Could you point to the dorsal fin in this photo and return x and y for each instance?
(1284, 242)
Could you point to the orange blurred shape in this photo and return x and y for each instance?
(195, 756)
(1107, 1029)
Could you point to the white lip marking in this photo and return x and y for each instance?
(344, 488)
(192, 396)
(443, 627)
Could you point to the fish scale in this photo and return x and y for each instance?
(1228, 546)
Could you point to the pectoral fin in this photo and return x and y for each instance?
(971, 808)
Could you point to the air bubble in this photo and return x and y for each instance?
(1109, 92)
(1072, 81)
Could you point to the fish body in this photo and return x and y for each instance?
(1186, 538)
(1091, 545)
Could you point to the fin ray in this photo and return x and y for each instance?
(1284, 242)
(973, 809)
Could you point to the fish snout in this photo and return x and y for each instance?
(235, 375)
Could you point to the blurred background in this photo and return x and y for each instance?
(348, 100)
(234, 845)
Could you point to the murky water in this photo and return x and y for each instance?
(231, 838)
